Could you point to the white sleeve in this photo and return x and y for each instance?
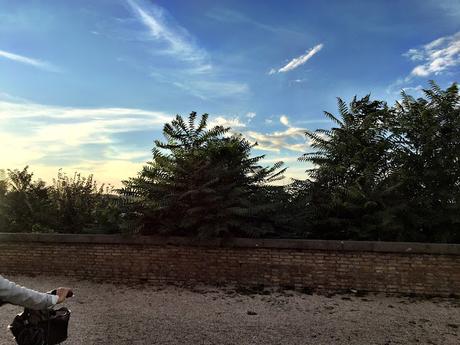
(19, 295)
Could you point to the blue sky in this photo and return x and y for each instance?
(88, 85)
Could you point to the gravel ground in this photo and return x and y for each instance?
(121, 314)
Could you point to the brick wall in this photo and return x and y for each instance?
(336, 265)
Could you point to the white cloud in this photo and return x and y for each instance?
(188, 65)
(176, 39)
(51, 137)
(292, 139)
(298, 61)
(437, 56)
(46, 136)
(284, 120)
(227, 122)
(251, 115)
(14, 110)
(413, 89)
(414, 55)
(29, 61)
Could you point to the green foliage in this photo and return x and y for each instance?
(70, 205)
(201, 182)
(380, 173)
(387, 173)
(427, 161)
(82, 206)
(24, 202)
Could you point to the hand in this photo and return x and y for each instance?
(62, 293)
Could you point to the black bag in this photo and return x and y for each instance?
(41, 327)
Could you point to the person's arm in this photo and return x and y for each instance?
(19, 295)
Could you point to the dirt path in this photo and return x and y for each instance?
(111, 314)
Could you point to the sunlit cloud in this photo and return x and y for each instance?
(298, 61)
(436, 57)
(52, 137)
(292, 139)
(16, 110)
(29, 61)
(233, 122)
(87, 140)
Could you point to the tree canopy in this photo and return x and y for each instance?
(201, 182)
(388, 173)
(380, 172)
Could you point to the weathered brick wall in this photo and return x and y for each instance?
(371, 266)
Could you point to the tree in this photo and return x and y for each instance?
(81, 205)
(201, 182)
(25, 203)
(388, 173)
(349, 189)
(70, 205)
(3, 209)
(427, 157)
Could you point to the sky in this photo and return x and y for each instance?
(88, 85)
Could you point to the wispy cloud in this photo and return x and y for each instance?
(436, 57)
(176, 40)
(298, 61)
(12, 108)
(90, 140)
(188, 66)
(231, 16)
(51, 137)
(29, 61)
(451, 7)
